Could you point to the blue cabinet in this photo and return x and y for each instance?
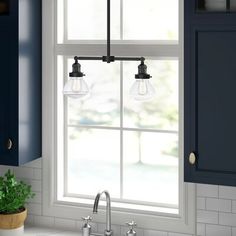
(210, 96)
(21, 78)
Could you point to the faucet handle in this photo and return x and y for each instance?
(86, 219)
(86, 229)
(131, 224)
(131, 231)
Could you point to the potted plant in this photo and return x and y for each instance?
(13, 196)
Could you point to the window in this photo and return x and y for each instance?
(109, 141)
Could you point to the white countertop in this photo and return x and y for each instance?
(38, 231)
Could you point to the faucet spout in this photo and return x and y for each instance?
(95, 205)
(108, 231)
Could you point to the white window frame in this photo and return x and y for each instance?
(184, 222)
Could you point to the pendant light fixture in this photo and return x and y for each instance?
(76, 87)
(142, 89)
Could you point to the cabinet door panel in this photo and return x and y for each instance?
(4, 93)
(216, 101)
(210, 103)
(20, 75)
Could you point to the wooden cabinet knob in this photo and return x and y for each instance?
(192, 158)
(9, 144)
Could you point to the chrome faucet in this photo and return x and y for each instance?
(108, 231)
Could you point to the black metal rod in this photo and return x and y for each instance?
(129, 59)
(108, 30)
(90, 58)
(109, 59)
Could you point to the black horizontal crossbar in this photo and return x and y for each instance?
(110, 59)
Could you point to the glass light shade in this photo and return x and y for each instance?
(76, 87)
(142, 90)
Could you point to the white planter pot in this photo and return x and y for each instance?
(12, 232)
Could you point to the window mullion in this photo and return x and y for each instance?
(65, 69)
(121, 20)
(121, 131)
(65, 21)
(126, 129)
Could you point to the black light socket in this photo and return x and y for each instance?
(142, 72)
(76, 69)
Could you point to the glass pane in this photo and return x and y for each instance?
(160, 112)
(103, 105)
(87, 19)
(151, 19)
(93, 161)
(151, 167)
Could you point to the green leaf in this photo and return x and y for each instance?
(13, 193)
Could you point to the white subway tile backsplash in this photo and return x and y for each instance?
(100, 227)
(234, 206)
(218, 204)
(65, 224)
(201, 203)
(154, 233)
(210, 217)
(35, 164)
(227, 192)
(227, 219)
(116, 229)
(233, 231)
(36, 185)
(24, 173)
(44, 221)
(201, 229)
(218, 230)
(37, 174)
(205, 190)
(34, 209)
(177, 234)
